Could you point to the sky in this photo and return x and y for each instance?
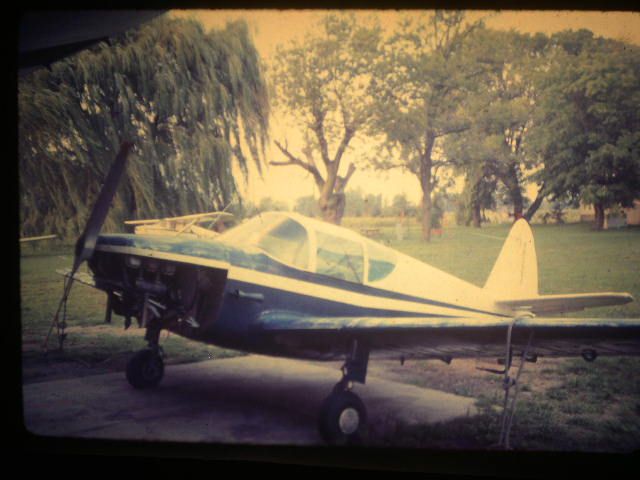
(271, 28)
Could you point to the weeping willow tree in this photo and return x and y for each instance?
(193, 103)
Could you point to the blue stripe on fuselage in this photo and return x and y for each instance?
(256, 260)
(239, 313)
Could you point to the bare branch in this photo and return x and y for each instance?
(341, 182)
(293, 160)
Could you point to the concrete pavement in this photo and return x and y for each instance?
(251, 399)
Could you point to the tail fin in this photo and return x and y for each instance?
(515, 273)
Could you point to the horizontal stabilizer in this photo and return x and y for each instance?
(544, 304)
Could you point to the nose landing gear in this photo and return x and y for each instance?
(146, 368)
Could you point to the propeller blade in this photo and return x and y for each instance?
(87, 241)
(85, 245)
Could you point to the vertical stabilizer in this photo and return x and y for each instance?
(515, 273)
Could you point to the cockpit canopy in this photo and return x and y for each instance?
(315, 246)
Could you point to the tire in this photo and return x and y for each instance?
(342, 419)
(145, 369)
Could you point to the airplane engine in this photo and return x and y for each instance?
(183, 298)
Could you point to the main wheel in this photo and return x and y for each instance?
(342, 418)
(145, 369)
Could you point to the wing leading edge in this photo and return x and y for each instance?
(456, 336)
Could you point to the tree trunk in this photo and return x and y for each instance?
(510, 181)
(332, 207)
(599, 214)
(533, 208)
(476, 218)
(518, 203)
(426, 216)
(332, 201)
(425, 183)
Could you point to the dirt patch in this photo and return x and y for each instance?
(462, 376)
(119, 331)
(56, 366)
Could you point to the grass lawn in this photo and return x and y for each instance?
(565, 404)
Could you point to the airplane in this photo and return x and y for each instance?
(186, 225)
(286, 285)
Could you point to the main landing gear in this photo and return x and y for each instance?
(343, 416)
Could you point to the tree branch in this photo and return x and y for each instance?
(318, 129)
(293, 160)
(447, 131)
(533, 208)
(348, 135)
(341, 182)
(352, 168)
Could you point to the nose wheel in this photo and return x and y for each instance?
(145, 369)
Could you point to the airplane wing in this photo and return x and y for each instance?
(198, 217)
(143, 222)
(429, 337)
(36, 239)
(545, 304)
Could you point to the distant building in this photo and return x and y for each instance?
(615, 219)
(633, 213)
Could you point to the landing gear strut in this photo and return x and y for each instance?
(146, 368)
(343, 416)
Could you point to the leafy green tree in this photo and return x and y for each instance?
(372, 205)
(589, 122)
(355, 203)
(478, 195)
(323, 84)
(493, 152)
(307, 205)
(422, 80)
(401, 206)
(193, 102)
(268, 204)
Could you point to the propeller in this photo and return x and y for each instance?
(85, 245)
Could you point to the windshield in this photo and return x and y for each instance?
(277, 235)
(249, 232)
(382, 261)
(339, 258)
